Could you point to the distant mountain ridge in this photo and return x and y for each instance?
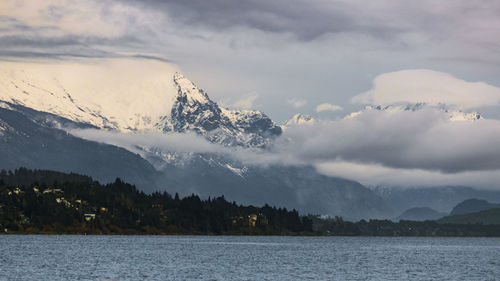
(440, 198)
(472, 206)
(451, 114)
(137, 96)
(485, 217)
(420, 214)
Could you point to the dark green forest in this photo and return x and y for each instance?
(39, 201)
(487, 217)
(338, 227)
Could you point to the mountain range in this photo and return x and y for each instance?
(442, 199)
(43, 103)
(473, 206)
(47, 106)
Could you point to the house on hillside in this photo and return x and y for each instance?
(89, 217)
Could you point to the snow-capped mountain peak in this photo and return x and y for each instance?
(299, 119)
(129, 95)
(450, 113)
(188, 89)
(119, 94)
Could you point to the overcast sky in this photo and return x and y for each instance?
(282, 56)
(326, 58)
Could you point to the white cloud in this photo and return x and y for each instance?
(406, 143)
(180, 143)
(376, 174)
(245, 103)
(297, 102)
(377, 147)
(428, 86)
(327, 107)
(172, 142)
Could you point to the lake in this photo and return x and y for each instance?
(73, 257)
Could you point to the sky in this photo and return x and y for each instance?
(326, 58)
(282, 56)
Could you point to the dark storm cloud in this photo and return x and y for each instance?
(32, 46)
(79, 28)
(148, 20)
(21, 40)
(40, 42)
(306, 20)
(151, 57)
(57, 54)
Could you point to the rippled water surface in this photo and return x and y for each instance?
(66, 257)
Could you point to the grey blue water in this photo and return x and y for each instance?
(73, 257)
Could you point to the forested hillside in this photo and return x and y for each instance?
(37, 201)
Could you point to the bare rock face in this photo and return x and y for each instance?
(194, 111)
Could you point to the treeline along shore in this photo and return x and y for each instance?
(49, 202)
(38, 201)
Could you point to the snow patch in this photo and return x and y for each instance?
(451, 114)
(121, 94)
(239, 172)
(299, 119)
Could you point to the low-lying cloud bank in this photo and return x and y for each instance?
(425, 139)
(422, 147)
(376, 174)
(376, 147)
(180, 143)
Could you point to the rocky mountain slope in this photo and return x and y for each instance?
(32, 139)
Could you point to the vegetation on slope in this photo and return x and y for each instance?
(37, 201)
(338, 227)
(491, 216)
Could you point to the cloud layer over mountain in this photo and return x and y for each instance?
(403, 144)
(404, 148)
